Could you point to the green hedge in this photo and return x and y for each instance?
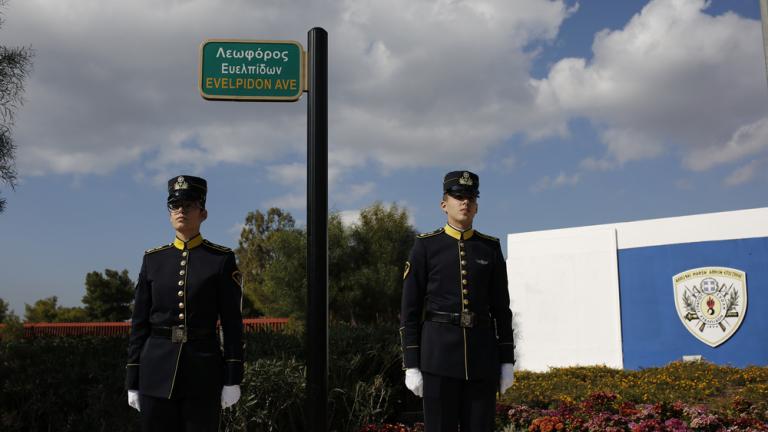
(76, 383)
(64, 384)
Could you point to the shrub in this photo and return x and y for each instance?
(64, 384)
(679, 397)
(698, 382)
(272, 398)
(76, 383)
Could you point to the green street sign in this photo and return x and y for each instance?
(257, 70)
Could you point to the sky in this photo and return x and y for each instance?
(571, 112)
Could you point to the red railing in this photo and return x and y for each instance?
(123, 328)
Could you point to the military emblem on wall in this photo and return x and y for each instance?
(711, 302)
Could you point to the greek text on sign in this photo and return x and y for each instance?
(711, 302)
(235, 69)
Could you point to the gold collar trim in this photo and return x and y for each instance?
(192, 243)
(458, 235)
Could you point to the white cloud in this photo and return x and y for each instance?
(289, 201)
(354, 192)
(413, 83)
(235, 230)
(748, 140)
(561, 180)
(673, 75)
(743, 174)
(292, 174)
(509, 163)
(623, 145)
(350, 217)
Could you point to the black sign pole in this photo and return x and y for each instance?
(317, 231)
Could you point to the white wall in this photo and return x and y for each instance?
(565, 299)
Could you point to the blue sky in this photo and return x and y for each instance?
(572, 113)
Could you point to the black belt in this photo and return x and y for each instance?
(465, 319)
(183, 334)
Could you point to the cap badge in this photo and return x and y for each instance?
(181, 184)
(465, 179)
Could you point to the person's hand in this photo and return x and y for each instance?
(229, 395)
(507, 376)
(133, 399)
(414, 381)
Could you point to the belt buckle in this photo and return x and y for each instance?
(178, 334)
(467, 319)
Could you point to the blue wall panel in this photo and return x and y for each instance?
(652, 334)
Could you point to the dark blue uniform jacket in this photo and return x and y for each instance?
(192, 284)
(450, 271)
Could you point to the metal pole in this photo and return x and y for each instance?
(764, 19)
(317, 231)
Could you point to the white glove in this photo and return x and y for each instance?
(133, 399)
(414, 381)
(507, 376)
(229, 395)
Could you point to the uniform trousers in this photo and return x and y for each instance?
(452, 402)
(189, 414)
(181, 412)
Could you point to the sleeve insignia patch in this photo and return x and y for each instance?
(407, 269)
(238, 278)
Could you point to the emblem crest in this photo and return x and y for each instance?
(711, 302)
(181, 184)
(465, 179)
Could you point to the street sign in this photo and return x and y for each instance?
(252, 70)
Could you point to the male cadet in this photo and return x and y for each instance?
(456, 326)
(179, 376)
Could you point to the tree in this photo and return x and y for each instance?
(366, 280)
(108, 297)
(71, 314)
(284, 289)
(365, 264)
(3, 309)
(13, 328)
(15, 66)
(48, 310)
(44, 310)
(256, 251)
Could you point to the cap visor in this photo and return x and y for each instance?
(184, 195)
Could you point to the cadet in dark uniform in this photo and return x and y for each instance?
(456, 326)
(179, 375)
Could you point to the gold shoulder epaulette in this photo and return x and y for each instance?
(217, 247)
(159, 248)
(430, 234)
(487, 237)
